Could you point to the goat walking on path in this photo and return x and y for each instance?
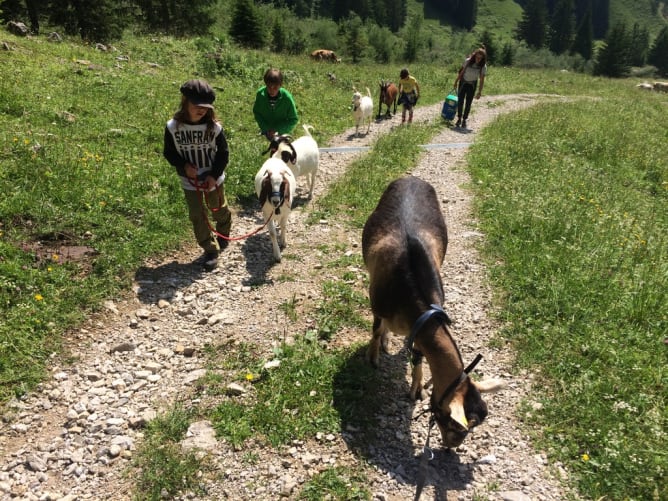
(301, 155)
(275, 187)
(362, 110)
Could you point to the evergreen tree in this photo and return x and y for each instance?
(532, 28)
(658, 54)
(247, 27)
(177, 17)
(507, 55)
(466, 13)
(584, 37)
(639, 45)
(101, 21)
(412, 36)
(487, 39)
(279, 37)
(355, 36)
(613, 58)
(561, 26)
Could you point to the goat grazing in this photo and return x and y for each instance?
(362, 110)
(388, 97)
(403, 245)
(301, 155)
(275, 187)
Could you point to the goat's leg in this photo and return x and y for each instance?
(311, 177)
(416, 392)
(274, 241)
(378, 340)
(282, 231)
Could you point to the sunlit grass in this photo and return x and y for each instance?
(576, 222)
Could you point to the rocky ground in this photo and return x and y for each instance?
(74, 437)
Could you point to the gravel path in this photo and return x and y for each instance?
(74, 437)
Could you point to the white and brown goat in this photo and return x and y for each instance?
(403, 244)
(275, 187)
(302, 155)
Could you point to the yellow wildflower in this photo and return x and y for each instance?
(585, 457)
(38, 297)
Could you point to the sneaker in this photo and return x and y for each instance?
(463, 124)
(210, 260)
(223, 243)
(459, 122)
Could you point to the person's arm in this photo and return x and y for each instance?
(291, 118)
(482, 84)
(260, 109)
(172, 155)
(222, 157)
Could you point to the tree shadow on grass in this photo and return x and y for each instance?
(376, 419)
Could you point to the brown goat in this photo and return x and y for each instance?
(388, 97)
(403, 244)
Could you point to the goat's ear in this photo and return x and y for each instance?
(293, 158)
(489, 385)
(286, 189)
(265, 190)
(457, 413)
(285, 156)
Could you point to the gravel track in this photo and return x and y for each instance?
(75, 436)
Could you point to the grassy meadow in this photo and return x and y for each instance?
(572, 198)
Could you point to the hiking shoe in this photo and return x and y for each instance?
(210, 260)
(459, 122)
(222, 243)
(464, 124)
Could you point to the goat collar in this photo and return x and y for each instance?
(434, 311)
(439, 313)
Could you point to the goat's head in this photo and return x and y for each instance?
(286, 152)
(465, 410)
(275, 189)
(275, 141)
(357, 97)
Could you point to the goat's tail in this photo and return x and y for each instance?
(368, 92)
(306, 129)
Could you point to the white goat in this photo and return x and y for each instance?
(275, 187)
(362, 109)
(302, 156)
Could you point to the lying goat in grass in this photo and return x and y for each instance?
(362, 110)
(301, 155)
(275, 187)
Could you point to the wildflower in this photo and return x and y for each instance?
(39, 297)
(585, 457)
(249, 377)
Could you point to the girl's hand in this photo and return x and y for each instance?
(210, 183)
(191, 171)
(478, 95)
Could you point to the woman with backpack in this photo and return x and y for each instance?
(473, 69)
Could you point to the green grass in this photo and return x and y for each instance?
(572, 197)
(576, 220)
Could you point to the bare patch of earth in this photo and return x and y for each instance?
(75, 436)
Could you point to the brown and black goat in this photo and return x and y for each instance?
(403, 244)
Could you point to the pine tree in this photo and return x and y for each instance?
(561, 27)
(532, 28)
(247, 28)
(487, 39)
(584, 37)
(355, 36)
(639, 45)
(178, 17)
(658, 54)
(413, 38)
(101, 21)
(613, 58)
(279, 38)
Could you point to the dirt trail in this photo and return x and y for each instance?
(75, 436)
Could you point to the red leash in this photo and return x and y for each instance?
(199, 188)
